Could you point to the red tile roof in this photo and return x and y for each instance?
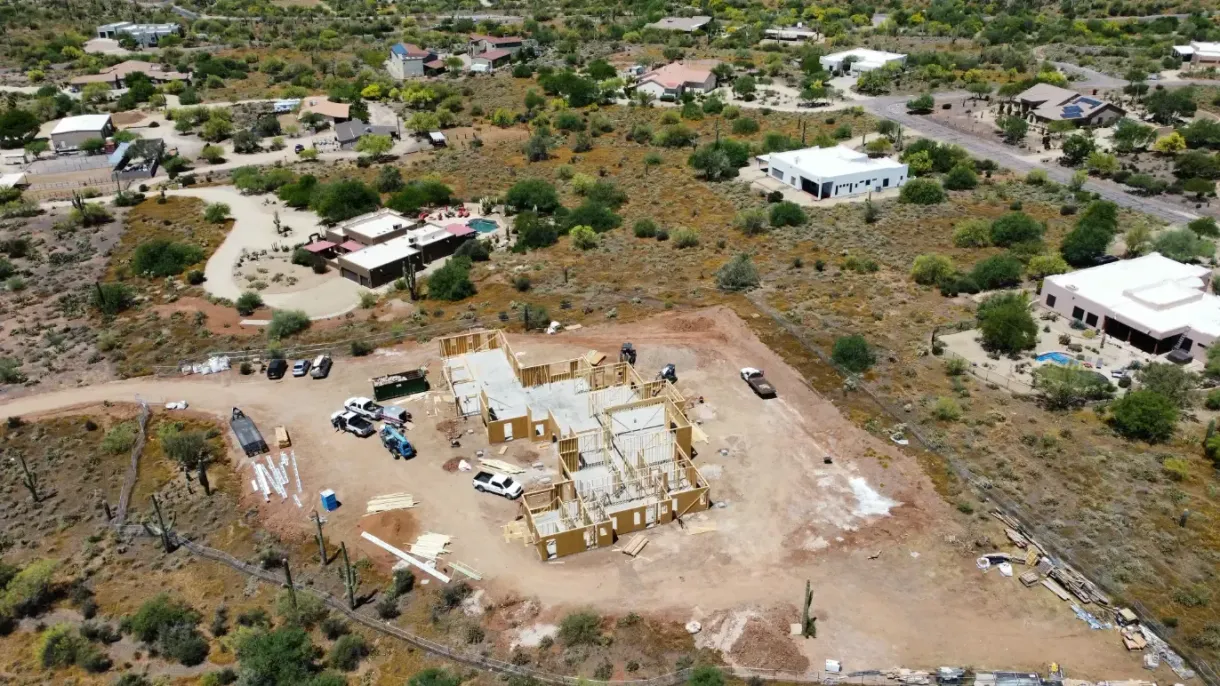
(352, 246)
(493, 55)
(319, 246)
(459, 229)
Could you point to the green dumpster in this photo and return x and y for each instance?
(400, 384)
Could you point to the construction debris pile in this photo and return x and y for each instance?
(1068, 584)
(274, 477)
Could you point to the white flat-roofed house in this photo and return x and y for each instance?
(373, 228)
(682, 24)
(1198, 52)
(859, 60)
(145, 35)
(1152, 302)
(376, 247)
(791, 33)
(834, 172)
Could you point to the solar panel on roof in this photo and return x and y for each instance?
(1072, 111)
(1089, 101)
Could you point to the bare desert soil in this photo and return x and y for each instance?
(890, 563)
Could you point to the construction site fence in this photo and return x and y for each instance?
(490, 664)
(334, 348)
(1058, 548)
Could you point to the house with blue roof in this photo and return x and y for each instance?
(408, 61)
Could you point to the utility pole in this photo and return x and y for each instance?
(161, 523)
(321, 541)
(292, 591)
(349, 578)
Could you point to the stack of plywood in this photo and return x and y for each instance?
(501, 466)
(516, 530)
(635, 545)
(281, 437)
(429, 545)
(392, 501)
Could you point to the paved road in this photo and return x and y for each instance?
(1091, 77)
(894, 107)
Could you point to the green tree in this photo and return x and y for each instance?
(930, 269)
(583, 237)
(853, 353)
(1183, 245)
(787, 213)
(1013, 129)
(161, 257)
(345, 199)
(535, 195)
(1170, 381)
(281, 657)
(712, 163)
(16, 127)
(375, 146)
(1205, 226)
(1006, 324)
(1077, 148)
(1166, 106)
(452, 281)
(248, 302)
(1042, 266)
(1144, 415)
(533, 232)
(997, 271)
(1084, 244)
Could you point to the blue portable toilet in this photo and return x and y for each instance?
(330, 502)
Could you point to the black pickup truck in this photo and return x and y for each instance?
(758, 382)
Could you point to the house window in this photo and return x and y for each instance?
(1077, 313)
(1186, 344)
(1091, 319)
(1050, 300)
(777, 174)
(885, 183)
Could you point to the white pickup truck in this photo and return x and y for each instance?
(372, 411)
(500, 484)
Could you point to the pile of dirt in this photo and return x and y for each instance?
(448, 427)
(451, 465)
(689, 324)
(765, 643)
(396, 527)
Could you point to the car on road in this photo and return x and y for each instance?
(500, 484)
(299, 148)
(758, 382)
(277, 368)
(321, 367)
(301, 368)
(352, 423)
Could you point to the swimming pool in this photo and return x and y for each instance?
(483, 225)
(1056, 357)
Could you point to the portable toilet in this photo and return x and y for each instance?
(330, 502)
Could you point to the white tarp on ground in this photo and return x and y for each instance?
(211, 366)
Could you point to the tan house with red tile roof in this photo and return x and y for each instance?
(670, 81)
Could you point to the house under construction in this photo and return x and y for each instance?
(623, 443)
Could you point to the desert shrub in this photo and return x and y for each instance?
(853, 353)
(454, 594)
(308, 612)
(162, 257)
(120, 438)
(387, 607)
(1171, 381)
(522, 283)
(247, 303)
(535, 195)
(787, 214)
(216, 212)
(956, 366)
(285, 323)
(645, 228)
(474, 250)
(1068, 386)
(1144, 415)
(930, 269)
(751, 222)
(28, 591)
(580, 628)
(947, 409)
(1006, 324)
(961, 178)
(61, 646)
(745, 126)
(347, 652)
(706, 675)
(921, 192)
(738, 274)
(972, 233)
(169, 626)
(434, 676)
(1015, 227)
(403, 582)
(1212, 402)
(1182, 245)
(686, 238)
(583, 237)
(333, 627)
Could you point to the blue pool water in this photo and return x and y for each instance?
(1056, 357)
(482, 225)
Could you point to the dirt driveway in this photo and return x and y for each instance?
(894, 583)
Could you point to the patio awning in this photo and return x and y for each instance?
(319, 246)
(459, 230)
(351, 246)
(437, 137)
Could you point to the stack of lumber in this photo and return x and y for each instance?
(391, 501)
(429, 545)
(1133, 638)
(516, 530)
(501, 466)
(464, 569)
(1078, 585)
(635, 545)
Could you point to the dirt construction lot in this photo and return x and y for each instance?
(893, 575)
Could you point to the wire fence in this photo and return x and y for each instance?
(1057, 547)
(992, 376)
(129, 480)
